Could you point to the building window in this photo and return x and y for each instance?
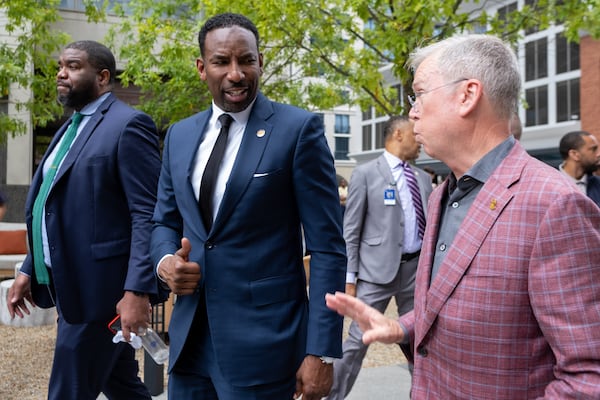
(379, 140)
(342, 147)
(72, 5)
(342, 123)
(367, 114)
(537, 102)
(567, 100)
(567, 55)
(79, 5)
(535, 8)
(504, 12)
(367, 137)
(536, 59)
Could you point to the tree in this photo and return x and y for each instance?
(318, 53)
(28, 24)
(339, 44)
(28, 60)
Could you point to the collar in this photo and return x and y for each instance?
(582, 181)
(239, 117)
(392, 160)
(482, 169)
(92, 107)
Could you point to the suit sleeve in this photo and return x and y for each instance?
(320, 212)
(139, 165)
(407, 322)
(354, 217)
(565, 294)
(168, 223)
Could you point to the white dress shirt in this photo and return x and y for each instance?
(412, 242)
(234, 139)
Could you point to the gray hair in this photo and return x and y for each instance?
(482, 57)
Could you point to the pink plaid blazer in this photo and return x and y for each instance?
(514, 312)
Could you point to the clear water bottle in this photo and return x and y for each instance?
(154, 345)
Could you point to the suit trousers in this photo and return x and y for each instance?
(87, 362)
(378, 296)
(197, 376)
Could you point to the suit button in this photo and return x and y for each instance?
(209, 245)
(422, 351)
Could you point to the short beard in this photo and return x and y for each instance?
(590, 169)
(79, 98)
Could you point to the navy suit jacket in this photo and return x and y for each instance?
(593, 188)
(98, 215)
(253, 282)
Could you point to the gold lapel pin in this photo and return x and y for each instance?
(493, 204)
(260, 133)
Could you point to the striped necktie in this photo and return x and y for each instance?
(415, 193)
(41, 272)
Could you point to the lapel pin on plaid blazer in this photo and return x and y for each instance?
(493, 204)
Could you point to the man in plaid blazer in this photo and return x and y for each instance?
(507, 296)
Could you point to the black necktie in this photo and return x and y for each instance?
(209, 178)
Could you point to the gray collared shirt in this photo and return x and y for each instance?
(460, 197)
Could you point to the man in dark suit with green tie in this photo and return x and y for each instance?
(88, 217)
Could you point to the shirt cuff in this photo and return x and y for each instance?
(406, 336)
(351, 277)
(158, 265)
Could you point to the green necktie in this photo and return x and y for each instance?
(41, 272)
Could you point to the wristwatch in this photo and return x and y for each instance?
(327, 360)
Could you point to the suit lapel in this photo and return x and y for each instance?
(83, 137)
(384, 170)
(479, 221)
(188, 151)
(256, 136)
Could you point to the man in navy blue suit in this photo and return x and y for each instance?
(580, 152)
(91, 259)
(243, 326)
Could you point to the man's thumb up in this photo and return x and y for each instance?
(186, 248)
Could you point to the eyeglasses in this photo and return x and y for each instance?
(412, 100)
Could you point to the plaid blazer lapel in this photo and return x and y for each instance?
(480, 220)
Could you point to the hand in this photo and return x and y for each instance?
(375, 326)
(135, 314)
(313, 379)
(351, 289)
(178, 272)
(17, 294)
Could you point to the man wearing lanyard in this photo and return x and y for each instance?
(383, 228)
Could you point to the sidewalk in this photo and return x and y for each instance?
(384, 383)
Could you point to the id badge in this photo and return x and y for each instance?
(389, 197)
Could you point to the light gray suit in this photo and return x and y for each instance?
(374, 235)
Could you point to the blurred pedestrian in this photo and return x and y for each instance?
(581, 158)
(383, 228)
